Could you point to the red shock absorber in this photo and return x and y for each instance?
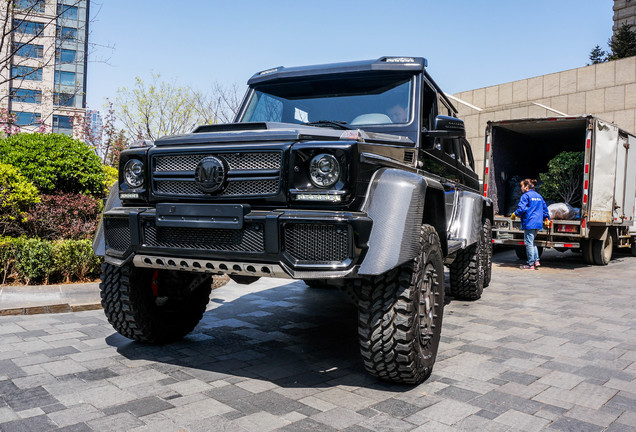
(154, 283)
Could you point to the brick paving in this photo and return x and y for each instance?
(553, 350)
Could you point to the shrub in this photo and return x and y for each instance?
(562, 182)
(75, 259)
(111, 176)
(68, 216)
(7, 258)
(33, 259)
(17, 195)
(36, 261)
(54, 162)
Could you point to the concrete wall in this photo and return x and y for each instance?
(606, 90)
(624, 13)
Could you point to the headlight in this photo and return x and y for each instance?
(324, 170)
(134, 173)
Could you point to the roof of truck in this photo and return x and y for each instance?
(387, 63)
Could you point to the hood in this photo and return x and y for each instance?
(267, 132)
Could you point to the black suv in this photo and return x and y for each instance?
(355, 174)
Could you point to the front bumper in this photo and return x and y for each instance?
(301, 244)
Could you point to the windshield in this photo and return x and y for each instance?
(369, 99)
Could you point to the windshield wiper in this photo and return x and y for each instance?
(327, 123)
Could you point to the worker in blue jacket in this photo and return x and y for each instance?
(533, 212)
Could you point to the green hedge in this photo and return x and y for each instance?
(55, 162)
(35, 261)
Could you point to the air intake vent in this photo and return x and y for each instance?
(408, 156)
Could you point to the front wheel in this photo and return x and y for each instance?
(153, 306)
(400, 315)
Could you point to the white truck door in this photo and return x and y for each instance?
(630, 179)
(603, 173)
(619, 182)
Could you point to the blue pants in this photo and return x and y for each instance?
(531, 250)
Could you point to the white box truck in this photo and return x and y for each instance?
(521, 148)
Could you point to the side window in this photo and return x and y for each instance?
(428, 106)
(442, 108)
(468, 154)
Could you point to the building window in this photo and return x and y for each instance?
(65, 55)
(26, 118)
(64, 99)
(28, 27)
(62, 124)
(26, 95)
(28, 50)
(65, 78)
(67, 12)
(30, 5)
(26, 73)
(66, 33)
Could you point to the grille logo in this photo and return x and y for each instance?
(210, 174)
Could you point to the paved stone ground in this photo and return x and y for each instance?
(550, 350)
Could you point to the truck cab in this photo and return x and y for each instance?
(354, 174)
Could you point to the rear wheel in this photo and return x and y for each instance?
(602, 250)
(487, 239)
(400, 315)
(153, 306)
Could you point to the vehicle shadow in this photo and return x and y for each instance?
(552, 259)
(290, 335)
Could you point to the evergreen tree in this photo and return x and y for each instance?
(623, 43)
(597, 55)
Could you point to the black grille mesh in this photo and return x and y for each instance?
(248, 239)
(234, 188)
(117, 234)
(241, 161)
(317, 243)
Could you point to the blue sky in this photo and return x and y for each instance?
(468, 43)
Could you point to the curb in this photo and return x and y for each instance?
(56, 308)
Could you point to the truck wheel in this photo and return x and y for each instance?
(153, 306)
(633, 246)
(602, 250)
(487, 239)
(586, 250)
(400, 315)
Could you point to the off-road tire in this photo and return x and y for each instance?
(602, 250)
(137, 313)
(633, 248)
(400, 315)
(487, 243)
(467, 272)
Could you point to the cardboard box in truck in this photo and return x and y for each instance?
(522, 148)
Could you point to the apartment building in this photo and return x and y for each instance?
(43, 59)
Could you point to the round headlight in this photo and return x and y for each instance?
(134, 173)
(324, 170)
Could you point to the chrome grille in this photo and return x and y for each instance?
(234, 188)
(248, 239)
(317, 243)
(235, 161)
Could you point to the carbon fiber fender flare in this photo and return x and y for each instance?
(99, 243)
(395, 202)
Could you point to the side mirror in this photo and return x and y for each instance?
(450, 124)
